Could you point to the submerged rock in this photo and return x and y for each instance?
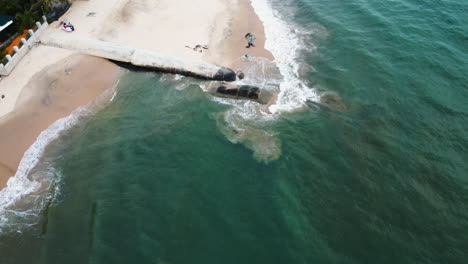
(333, 101)
(242, 91)
(240, 74)
(225, 74)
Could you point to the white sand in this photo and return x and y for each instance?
(167, 25)
(36, 60)
(163, 25)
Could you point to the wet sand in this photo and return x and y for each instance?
(51, 94)
(231, 46)
(74, 80)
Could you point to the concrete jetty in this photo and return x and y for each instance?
(142, 58)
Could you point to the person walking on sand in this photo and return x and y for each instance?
(250, 40)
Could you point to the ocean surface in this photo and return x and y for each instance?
(363, 161)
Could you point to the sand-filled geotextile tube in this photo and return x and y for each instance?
(143, 58)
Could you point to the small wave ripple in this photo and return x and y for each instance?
(35, 182)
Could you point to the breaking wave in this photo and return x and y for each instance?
(249, 122)
(286, 44)
(36, 181)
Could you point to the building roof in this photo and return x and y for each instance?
(5, 21)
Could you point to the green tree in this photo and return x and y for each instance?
(27, 12)
(45, 4)
(25, 19)
(9, 7)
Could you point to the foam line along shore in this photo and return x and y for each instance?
(54, 82)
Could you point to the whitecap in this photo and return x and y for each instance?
(285, 43)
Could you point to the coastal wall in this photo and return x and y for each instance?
(21, 52)
(141, 58)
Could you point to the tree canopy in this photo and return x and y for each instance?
(26, 12)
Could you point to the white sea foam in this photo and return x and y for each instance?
(35, 182)
(26, 193)
(178, 77)
(285, 44)
(114, 94)
(249, 122)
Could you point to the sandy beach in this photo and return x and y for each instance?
(50, 83)
(51, 94)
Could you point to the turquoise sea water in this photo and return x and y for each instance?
(383, 178)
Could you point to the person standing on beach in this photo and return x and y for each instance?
(250, 40)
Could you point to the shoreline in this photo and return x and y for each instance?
(62, 83)
(52, 93)
(230, 43)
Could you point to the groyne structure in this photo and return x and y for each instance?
(21, 51)
(142, 58)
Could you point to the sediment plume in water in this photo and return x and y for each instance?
(282, 90)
